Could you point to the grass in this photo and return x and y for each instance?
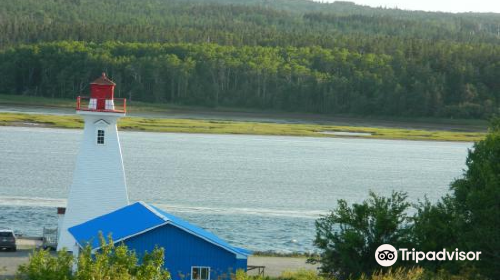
(234, 127)
(415, 273)
(136, 106)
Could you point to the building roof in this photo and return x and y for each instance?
(103, 80)
(138, 218)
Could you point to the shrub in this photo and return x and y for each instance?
(110, 262)
(436, 228)
(349, 236)
(44, 266)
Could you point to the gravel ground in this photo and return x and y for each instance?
(9, 261)
(274, 266)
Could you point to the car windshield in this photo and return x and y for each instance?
(6, 234)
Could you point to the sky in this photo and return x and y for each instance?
(454, 6)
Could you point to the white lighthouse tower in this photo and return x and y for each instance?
(99, 179)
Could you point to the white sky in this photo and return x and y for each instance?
(434, 5)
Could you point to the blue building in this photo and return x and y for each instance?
(190, 252)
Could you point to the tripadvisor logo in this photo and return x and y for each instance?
(387, 255)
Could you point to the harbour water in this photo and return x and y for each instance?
(259, 192)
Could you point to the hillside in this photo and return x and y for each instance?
(289, 55)
(231, 22)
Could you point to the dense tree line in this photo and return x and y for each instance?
(284, 54)
(229, 22)
(438, 79)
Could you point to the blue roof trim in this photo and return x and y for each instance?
(138, 218)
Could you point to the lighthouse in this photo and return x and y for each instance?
(99, 185)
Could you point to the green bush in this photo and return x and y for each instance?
(110, 262)
(44, 266)
(435, 227)
(349, 236)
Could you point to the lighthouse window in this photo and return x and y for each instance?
(100, 137)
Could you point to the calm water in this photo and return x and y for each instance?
(259, 192)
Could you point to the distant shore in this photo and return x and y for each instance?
(59, 113)
(249, 128)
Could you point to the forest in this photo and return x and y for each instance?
(288, 55)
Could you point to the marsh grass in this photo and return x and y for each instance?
(234, 127)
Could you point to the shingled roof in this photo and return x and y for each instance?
(103, 80)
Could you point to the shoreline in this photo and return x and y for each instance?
(209, 126)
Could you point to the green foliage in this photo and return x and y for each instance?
(436, 228)
(441, 79)
(349, 235)
(290, 55)
(301, 274)
(477, 202)
(110, 262)
(391, 274)
(416, 273)
(399, 273)
(469, 218)
(231, 22)
(43, 266)
(242, 275)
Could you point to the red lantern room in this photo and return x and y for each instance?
(101, 97)
(102, 88)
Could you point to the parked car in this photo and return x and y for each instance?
(7, 240)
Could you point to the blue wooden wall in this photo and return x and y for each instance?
(183, 250)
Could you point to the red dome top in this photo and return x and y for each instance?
(103, 80)
(102, 88)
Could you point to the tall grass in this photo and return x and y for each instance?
(234, 127)
(416, 273)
